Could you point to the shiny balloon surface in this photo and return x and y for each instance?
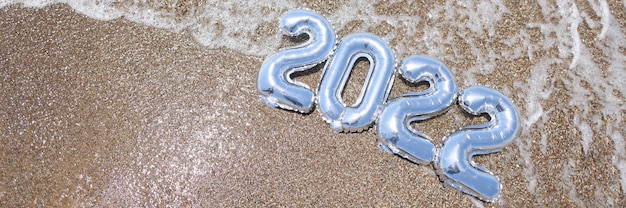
(455, 165)
(452, 161)
(274, 83)
(362, 114)
(395, 133)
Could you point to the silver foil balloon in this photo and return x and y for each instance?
(395, 133)
(363, 113)
(454, 164)
(274, 83)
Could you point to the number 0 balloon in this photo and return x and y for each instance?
(375, 91)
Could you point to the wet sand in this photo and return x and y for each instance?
(116, 114)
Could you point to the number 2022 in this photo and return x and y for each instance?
(392, 118)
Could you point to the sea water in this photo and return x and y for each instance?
(236, 25)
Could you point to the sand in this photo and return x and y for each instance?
(116, 114)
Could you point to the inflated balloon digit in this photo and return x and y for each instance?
(454, 164)
(395, 133)
(274, 82)
(375, 91)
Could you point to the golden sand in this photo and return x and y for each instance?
(116, 114)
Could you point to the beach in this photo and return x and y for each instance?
(120, 114)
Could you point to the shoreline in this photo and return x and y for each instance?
(113, 113)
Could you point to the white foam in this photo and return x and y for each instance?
(524, 146)
(589, 83)
(577, 42)
(213, 24)
(564, 36)
(606, 17)
(619, 156)
(538, 87)
(567, 183)
(585, 132)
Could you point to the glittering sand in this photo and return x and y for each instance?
(116, 114)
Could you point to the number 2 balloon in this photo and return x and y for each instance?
(395, 134)
(454, 164)
(274, 82)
